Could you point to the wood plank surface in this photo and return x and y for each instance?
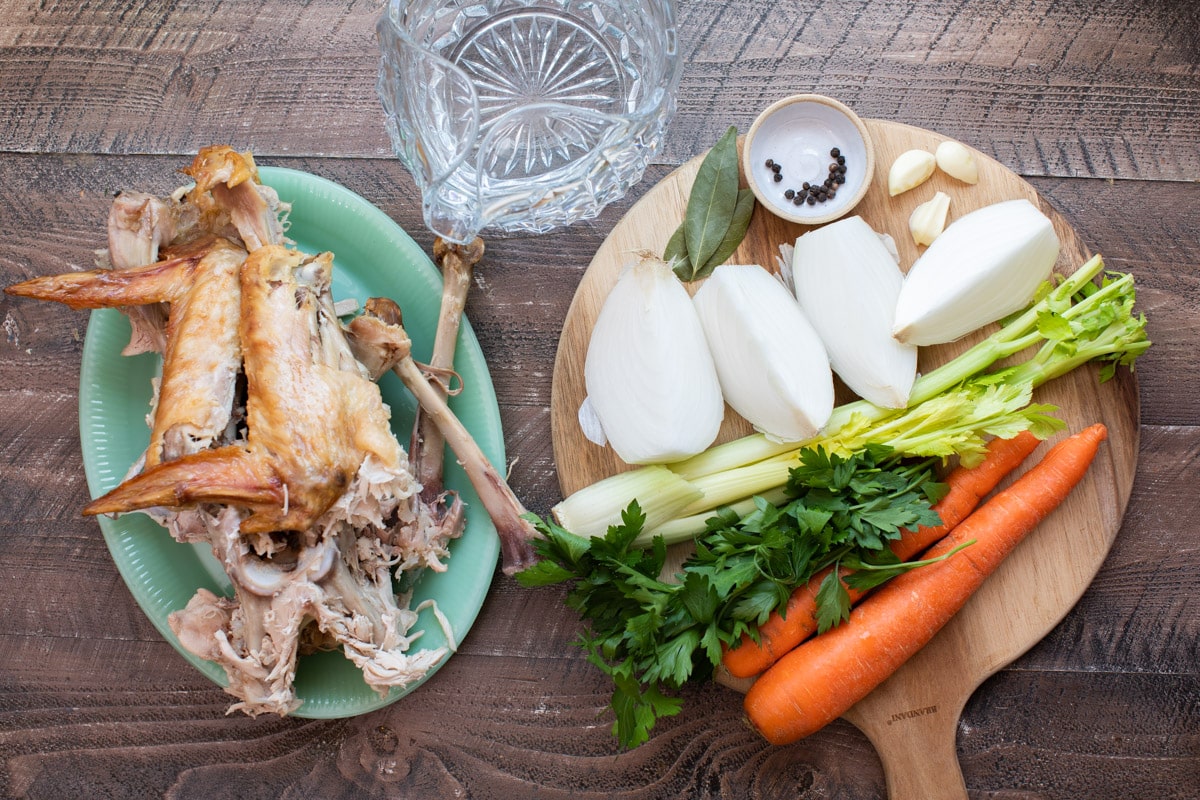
(1095, 102)
(1098, 88)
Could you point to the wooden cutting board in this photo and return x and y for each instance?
(912, 718)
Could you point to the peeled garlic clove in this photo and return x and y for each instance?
(650, 378)
(910, 169)
(984, 266)
(771, 364)
(847, 283)
(954, 159)
(928, 220)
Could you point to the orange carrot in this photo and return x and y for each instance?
(966, 487)
(821, 679)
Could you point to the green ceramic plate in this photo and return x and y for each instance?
(373, 257)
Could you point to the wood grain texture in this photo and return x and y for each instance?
(1098, 88)
(105, 95)
(958, 71)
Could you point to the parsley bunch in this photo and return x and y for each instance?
(650, 635)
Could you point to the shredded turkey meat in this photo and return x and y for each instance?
(270, 441)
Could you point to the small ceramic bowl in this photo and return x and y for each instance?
(796, 134)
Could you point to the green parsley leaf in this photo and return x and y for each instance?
(833, 602)
(637, 708)
(544, 573)
(699, 597)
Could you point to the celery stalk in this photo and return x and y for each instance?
(685, 528)
(665, 495)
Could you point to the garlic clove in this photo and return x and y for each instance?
(910, 169)
(928, 220)
(770, 361)
(649, 375)
(984, 266)
(847, 284)
(954, 159)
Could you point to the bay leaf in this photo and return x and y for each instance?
(676, 255)
(712, 200)
(733, 235)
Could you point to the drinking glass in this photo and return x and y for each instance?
(524, 115)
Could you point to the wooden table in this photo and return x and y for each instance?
(1096, 103)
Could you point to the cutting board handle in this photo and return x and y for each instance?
(919, 754)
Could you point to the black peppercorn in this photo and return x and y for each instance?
(812, 193)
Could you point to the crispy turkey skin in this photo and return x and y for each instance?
(270, 441)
